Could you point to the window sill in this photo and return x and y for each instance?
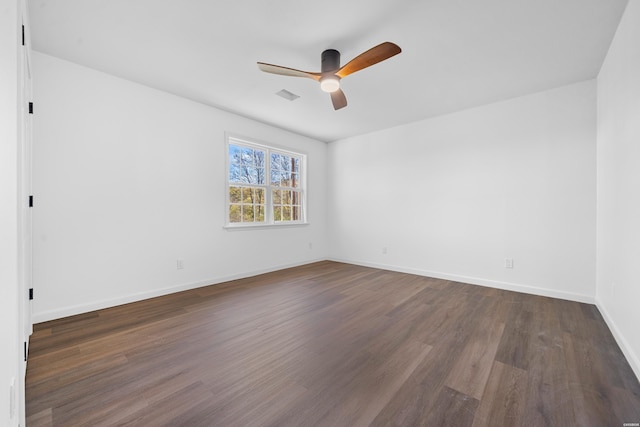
(264, 226)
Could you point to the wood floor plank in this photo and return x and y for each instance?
(181, 401)
(43, 418)
(624, 405)
(589, 385)
(370, 393)
(452, 408)
(413, 402)
(549, 400)
(470, 373)
(516, 344)
(332, 344)
(503, 400)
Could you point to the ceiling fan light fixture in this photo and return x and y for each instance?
(330, 84)
(331, 72)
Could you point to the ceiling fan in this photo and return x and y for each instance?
(331, 73)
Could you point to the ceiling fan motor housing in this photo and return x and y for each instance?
(330, 60)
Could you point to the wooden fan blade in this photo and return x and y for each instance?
(284, 71)
(366, 59)
(338, 99)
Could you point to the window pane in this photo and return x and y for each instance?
(234, 150)
(235, 174)
(247, 195)
(295, 197)
(235, 213)
(277, 213)
(247, 156)
(275, 161)
(277, 197)
(295, 213)
(286, 213)
(296, 165)
(275, 177)
(242, 175)
(235, 194)
(260, 176)
(286, 179)
(247, 213)
(285, 163)
(234, 154)
(259, 196)
(246, 165)
(259, 213)
(258, 158)
(295, 179)
(250, 175)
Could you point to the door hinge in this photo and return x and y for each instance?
(30, 293)
(30, 201)
(25, 351)
(31, 108)
(23, 35)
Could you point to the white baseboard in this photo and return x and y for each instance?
(632, 358)
(98, 305)
(545, 292)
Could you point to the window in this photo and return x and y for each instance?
(265, 185)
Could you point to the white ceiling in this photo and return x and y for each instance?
(456, 54)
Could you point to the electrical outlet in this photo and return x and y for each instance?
(179, 264)
(384, 250)
(508, 263)
(310, 245)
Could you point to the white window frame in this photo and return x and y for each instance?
(269, 221)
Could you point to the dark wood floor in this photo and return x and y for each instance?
(334, 345)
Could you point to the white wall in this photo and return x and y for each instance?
(618, 268)
(453, 196)
(128, 179)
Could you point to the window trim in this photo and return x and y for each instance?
(234, 139)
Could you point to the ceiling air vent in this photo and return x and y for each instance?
(287, 95)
